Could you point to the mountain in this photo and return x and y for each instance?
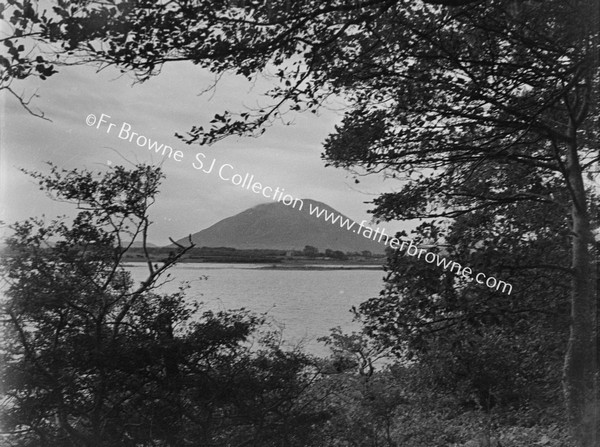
(278, 226)
(138, 244)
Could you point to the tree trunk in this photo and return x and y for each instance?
(579, 371)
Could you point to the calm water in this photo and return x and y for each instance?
(305, 303)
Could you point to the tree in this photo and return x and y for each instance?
(28, 33)
(335, 254)
(503, 86)
(436, 95)
(489, 348)
(71, 310)
(92, 359)
(310, 251)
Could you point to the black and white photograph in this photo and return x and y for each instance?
(279, 223)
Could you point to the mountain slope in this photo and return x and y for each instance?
(277, 226)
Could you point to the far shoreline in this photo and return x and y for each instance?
(320, 265)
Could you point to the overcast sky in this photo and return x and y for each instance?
(285, 156)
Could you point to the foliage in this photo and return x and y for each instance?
(489, 349)
(310, 251)
(403, 403)
(93, 359)
(25, 30)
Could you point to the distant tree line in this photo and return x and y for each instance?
(229, 254)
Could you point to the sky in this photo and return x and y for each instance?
(286, 156)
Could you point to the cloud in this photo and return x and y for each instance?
(285, 156)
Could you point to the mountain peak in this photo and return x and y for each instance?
(275, 225)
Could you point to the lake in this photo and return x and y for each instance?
(304, 303)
